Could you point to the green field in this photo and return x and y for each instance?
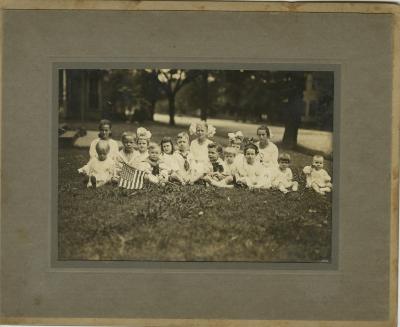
(189, 223)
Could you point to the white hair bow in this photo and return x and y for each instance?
(143, 133)
(234, 136)
(210, 128)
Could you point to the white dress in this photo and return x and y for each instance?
(162, 175)
(284, 177)
(114, 148)
(254, 176)
(319, 177)
(170, 162)
(103, 171)
(200, 151)
(268, 155)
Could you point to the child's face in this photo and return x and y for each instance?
(229, 158)
(283, 164)
(250, 156)
(154, 154)
(236, 145)
(201, 132)
(213, 155)
(262, 136)
(102, 154)
(167, 148)
(128, 142)
(104, 132)
(142, 145)
(182, 144)
(318, 163)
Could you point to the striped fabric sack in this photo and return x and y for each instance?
(131, 178)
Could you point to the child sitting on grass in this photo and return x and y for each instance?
(250, 172)
(282, 177)
(316, 177)
(104, 135)
(189, 171)
(100, 168)
(199, 146)
(156, 170)
(215, 170)
(167, 155)
(142, 139)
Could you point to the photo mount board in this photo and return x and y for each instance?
(362, 39)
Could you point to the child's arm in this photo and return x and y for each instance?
(86, 169)
(307, 170)
(326, 176)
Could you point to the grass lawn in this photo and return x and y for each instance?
(193, 223)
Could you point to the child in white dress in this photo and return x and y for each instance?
(250, 172)
(316, 177)
(156, 170)
(104, 135)
(189, 171)
(142, 139)
(236, 141)
(268, 151)
(127, 154)
(199, 146)
(167, 155)
(100, 168)
(282, 176)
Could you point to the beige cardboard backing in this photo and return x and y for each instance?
(358, 290)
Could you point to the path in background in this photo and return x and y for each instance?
(312, 139)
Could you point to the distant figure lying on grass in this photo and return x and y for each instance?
(203, 161)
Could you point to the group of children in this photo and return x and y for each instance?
(251, 164)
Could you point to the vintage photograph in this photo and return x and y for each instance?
(195, 165)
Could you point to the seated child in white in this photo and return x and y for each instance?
(236, 141)
(104, 135)
(215, 170)
(167, 155)
(268, 151)
(140, 156)
(316, 177)
(250, 172)
(189, 171)
(156, 170)
(127, 154)
(100, 168)
(282, 176)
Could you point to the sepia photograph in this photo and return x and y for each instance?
(195, 165)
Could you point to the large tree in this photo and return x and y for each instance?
(172, 80)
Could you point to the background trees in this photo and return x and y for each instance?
(289, 98)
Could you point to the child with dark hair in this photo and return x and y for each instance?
(282, 176)
(215, 171)
(250, 172)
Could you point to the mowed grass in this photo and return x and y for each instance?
(189, 223)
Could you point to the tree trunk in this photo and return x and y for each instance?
(171, 103)
(292, 122)
(204, 109)
(152, 109)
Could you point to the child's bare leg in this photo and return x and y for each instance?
(316, 188)
(308, 181)
(325, 189)
(282, 188)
